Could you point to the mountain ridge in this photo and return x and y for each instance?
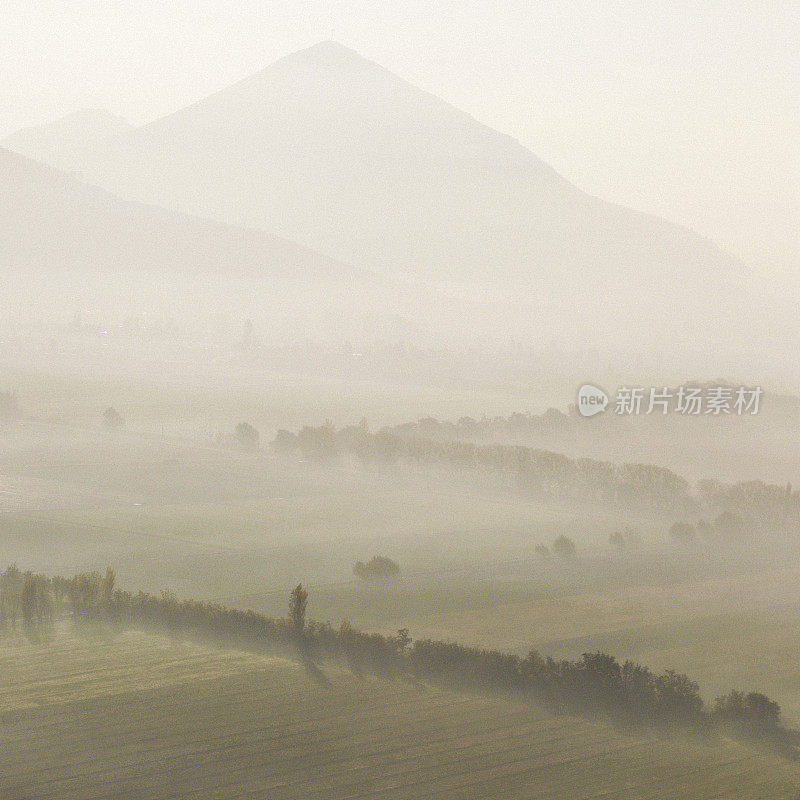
(63, 142)
(331, 150)
(51, 220)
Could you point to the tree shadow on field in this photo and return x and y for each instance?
(315, 673)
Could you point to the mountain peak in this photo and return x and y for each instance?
(63, 141)
(327, 50)
(330, 149)
(323, 56)
(331, 46)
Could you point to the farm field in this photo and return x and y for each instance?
(139, 716)
(170, 506)
(242, 529)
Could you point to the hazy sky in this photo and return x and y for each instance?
(687, 110)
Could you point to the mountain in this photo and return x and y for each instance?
(69, 140)
(51, 221)
(331, 150)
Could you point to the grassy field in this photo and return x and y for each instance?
(142, 717)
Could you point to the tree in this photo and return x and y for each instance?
(682, 531)
(564, 547)
(542, 550)
(320, 443)
(285, 441)
(378, 567)
(298, 600)
(84, 594)
(402, 640)
(107, 590)
(762, 711)
(704, 529)
(753, 710)
(27, 601)
(617, 540)
(247, 436)
(112, 418)
(11, 582)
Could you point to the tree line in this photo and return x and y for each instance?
(747, 505)
(538, 471)
(626, 693)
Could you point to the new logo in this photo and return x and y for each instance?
(591, 400)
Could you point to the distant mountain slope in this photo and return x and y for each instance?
(49, 220)
(66, 141)
(331, 150)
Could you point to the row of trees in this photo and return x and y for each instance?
(377, 568)
(629, 693)
(513, 427)
(563, 547)
(540, 471)
(727, 525)
(26, 603)
(29, 602)
(751, 504)
(734, 508)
